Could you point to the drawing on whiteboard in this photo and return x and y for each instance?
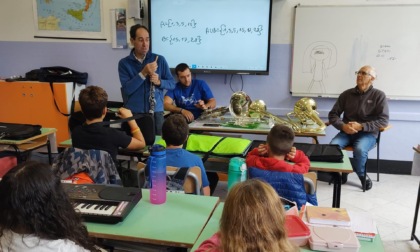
(318, 58)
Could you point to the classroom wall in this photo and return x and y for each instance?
(21, 52)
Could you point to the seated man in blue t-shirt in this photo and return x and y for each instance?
(190, 97)
(175, 133)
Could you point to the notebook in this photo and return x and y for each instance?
(328, 216)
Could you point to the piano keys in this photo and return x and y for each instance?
(102, 203)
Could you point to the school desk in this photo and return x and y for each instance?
(177, 223)
(213, 226)
(47, 139)
(336, 169)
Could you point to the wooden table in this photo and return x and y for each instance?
(176, 223)
(45, 139)
(213, 226)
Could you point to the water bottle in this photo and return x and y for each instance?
(157, 173)
(237, 171)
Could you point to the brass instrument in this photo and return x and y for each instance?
(239, 103)
(238, 108)
(213, 113)
(307, 116)
(258, 108)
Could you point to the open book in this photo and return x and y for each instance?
(328, 216)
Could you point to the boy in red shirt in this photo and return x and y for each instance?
(279, 148)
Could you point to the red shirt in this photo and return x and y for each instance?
(300, 163)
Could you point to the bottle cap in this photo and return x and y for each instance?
(237, 164)
(157, 149)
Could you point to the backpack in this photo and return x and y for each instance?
(16, 131)
(57, 74)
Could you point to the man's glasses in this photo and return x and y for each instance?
(362, 73)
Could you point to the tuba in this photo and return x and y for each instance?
(305, 111)
(258, 108)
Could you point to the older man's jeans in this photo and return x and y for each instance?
(362, 143)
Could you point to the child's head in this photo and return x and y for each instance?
(253, 219)
(280, 140)
(32, 201)
(175, 130)
(93, 100)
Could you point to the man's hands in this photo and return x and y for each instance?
(201, 105)
(188, 115)
(352, 128)
(149, 70)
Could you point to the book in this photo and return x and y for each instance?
(363, 225)
(328, 216)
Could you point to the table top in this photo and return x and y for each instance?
(44, 132)
(178, 222)
(213, 226)
(262, 129)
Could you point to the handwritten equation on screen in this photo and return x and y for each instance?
(199, 34)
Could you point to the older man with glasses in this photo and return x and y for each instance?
(365, 110)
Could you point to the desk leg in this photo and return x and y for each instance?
(416, 213)
(336, 190)
(49, 152)
(315, 140)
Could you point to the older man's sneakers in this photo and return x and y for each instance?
(368, 182)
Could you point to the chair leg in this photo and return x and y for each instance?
(377, 163)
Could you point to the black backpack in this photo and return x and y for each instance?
(15, 131)
(57, 74)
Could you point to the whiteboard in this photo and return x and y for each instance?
(332, 42)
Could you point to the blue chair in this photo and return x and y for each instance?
(288, 185)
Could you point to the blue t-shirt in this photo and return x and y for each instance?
(183, 158)
(187, 97)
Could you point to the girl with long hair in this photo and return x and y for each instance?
(36, 213)
(253, 219)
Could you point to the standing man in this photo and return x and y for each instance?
(365, 110)
(144, 76)
(191, 97)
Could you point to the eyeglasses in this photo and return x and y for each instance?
(362, 73)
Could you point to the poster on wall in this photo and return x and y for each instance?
(118, 28)
(68, 19)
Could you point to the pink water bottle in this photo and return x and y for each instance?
(157, 169)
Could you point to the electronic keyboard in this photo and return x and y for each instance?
(102, 203)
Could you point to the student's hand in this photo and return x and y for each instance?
(201, 105)
(348, 129)
(124, 113)
(188, 115)
(262, 150)
(292, 154)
